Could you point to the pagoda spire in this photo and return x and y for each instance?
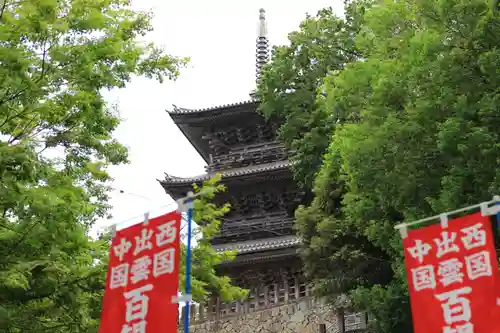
(262, 52)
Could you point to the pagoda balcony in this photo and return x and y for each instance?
(294, 295)
(260, 298)
(257, 226)
(258, 153)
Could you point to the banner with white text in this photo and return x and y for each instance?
(453, 274)
(143, 277)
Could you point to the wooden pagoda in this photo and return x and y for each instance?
(237, 142)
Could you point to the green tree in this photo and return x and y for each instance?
(290, 87)
(422, 139)
(205, 280)
(56, 57)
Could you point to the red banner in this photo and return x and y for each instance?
(452, 274)
(143, 276)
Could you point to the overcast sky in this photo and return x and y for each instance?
(219, 37)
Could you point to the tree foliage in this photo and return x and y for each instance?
(291, 82)
(56, 58)
(418, 136)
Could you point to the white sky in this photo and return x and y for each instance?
(219, 36)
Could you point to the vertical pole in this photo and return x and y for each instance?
(341, 319)
(498, 228)
(188, 260)
(498, 215)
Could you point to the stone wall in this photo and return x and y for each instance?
(303, 316)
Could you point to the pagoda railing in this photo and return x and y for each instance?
(263, 298)
(259, 153)
(260, 298)
(274, 223)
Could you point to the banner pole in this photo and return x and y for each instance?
(497, 200)
(188, 258)
(484, 209)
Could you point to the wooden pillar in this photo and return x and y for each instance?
(217, 308)
(308, 290)
(257, 297)
(192, 312)
(183, 314)
(266, 296)
(296, 287)
(210, 308)
(201, 312)
(286, 289)
(341, 320)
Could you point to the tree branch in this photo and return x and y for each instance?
(2, 9)
(24, 131)
(40, 78)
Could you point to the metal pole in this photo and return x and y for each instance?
(188, 261)
(498, 231)
(498, 217)
(494, 201)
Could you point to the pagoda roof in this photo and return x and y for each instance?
(178, 111)
(259, 245)
(229, 173)
(191, 122)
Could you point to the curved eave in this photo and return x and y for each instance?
(259, 245)
(230, 113)
(263, 256)
(192, 122)
(194, 136)
(170, 183)
(179, 112)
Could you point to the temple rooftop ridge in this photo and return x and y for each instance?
(259, 245)
(180, 110)
(234, 172)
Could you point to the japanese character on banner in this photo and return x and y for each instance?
(143, 277)
(479, 265)
(456, 307)
(119, 276)
(121, 249)
(167, 233)
(137, 303)
(446, 243)
(423, 277)
(420, 250)
(143, 242)
(164, 262)
(474, 236)
(140, 270)
(452, 272)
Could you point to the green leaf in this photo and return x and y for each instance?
(55, 146)
(417, 135)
